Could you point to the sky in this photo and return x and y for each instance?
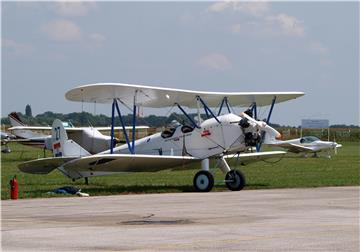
(49, 48)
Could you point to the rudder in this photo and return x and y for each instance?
(15, 120)
(61, 145)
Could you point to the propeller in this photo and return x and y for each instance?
(263, 126)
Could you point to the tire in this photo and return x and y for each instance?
(203, 181)
(235, 180)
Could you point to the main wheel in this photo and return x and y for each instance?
(203, 181)
(235, 180)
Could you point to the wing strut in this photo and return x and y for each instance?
(131, 146)
(258, 146)
(226, 102)
(254, 110)
(188, 117)
(271, 109)
(207, 109)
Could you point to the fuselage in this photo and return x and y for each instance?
(211, 139)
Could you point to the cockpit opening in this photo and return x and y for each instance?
(186, 129)
(169, 132)
(308, 139)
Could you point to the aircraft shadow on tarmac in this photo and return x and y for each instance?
(97, 189)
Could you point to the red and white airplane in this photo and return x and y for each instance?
(220, 137)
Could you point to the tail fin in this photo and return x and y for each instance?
(15, 120)
(61, 145)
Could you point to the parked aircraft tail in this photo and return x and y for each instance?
(61, 145)
(15, 120)
(21, 130)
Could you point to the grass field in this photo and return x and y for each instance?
(292, 171)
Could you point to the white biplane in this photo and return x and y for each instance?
(220, 136)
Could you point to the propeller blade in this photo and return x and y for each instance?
(268, 131)
(261, 124)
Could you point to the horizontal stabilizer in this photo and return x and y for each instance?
(43, 165)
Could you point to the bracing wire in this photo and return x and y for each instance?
(274, 162)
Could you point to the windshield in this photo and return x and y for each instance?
(169, 132)
(67, 125)
(309, 139)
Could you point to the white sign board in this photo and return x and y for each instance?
(314, 123)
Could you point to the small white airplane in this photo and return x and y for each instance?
(306, 144)
(90, 138)
(220, 137)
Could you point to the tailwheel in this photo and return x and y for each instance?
(235, 180)
(203, 181)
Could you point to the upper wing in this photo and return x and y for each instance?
(246, 158)
(157, 97)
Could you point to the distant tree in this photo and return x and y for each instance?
(344, 126)
(28, 111)
(5, 121)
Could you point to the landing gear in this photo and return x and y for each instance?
(235, 180)
(203, 181)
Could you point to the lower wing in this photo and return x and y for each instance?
(246, 158)
(77, 167)
(296, 148)
(43, 165)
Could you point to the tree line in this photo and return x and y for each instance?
(85, 119)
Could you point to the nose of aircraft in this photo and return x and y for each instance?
(271, 133)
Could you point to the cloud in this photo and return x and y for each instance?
(18, 49)
(321, 51)
(261, 13)
(219, 6)
(66, 31)
(216, 61)
(289, 25)
(236, 28)
(251, 8)
(62, 30)
(97, 38)
(318, 48)
(74, 8)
